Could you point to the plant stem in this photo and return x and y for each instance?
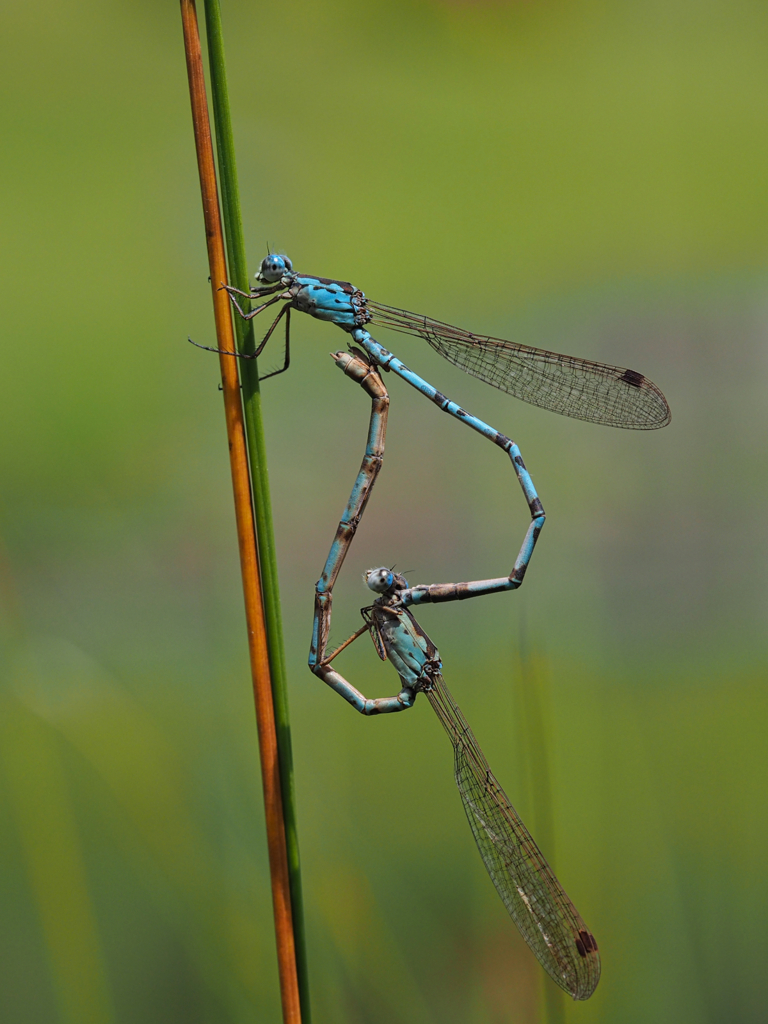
(249, 562)
(235, 245)
(534, 740)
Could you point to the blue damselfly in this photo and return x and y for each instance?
(580, 388)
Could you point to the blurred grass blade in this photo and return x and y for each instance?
(238, 275)
(37, 790)
(534, 729)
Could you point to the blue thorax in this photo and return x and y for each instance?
(338, 302)
(395, 632)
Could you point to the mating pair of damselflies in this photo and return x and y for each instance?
(580, 388)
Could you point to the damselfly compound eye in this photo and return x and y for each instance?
(273, 267)
(379, 580)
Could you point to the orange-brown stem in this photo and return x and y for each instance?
(246, 534)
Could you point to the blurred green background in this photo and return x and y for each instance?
(586, 176)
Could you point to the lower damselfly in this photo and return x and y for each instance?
(536, 901)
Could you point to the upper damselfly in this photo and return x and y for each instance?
(581, 388)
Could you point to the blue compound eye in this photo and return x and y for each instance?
(379, 580)
(273, 267)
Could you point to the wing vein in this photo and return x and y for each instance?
(581, 388)
(536, 901)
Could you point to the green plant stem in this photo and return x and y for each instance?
(534, 740)
(238, 276)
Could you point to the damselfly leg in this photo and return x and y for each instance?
(284, 312)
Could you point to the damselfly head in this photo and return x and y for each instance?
(273, 267)
(382, 580)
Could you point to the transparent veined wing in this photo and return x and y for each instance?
(547, 919)
(581, 388)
